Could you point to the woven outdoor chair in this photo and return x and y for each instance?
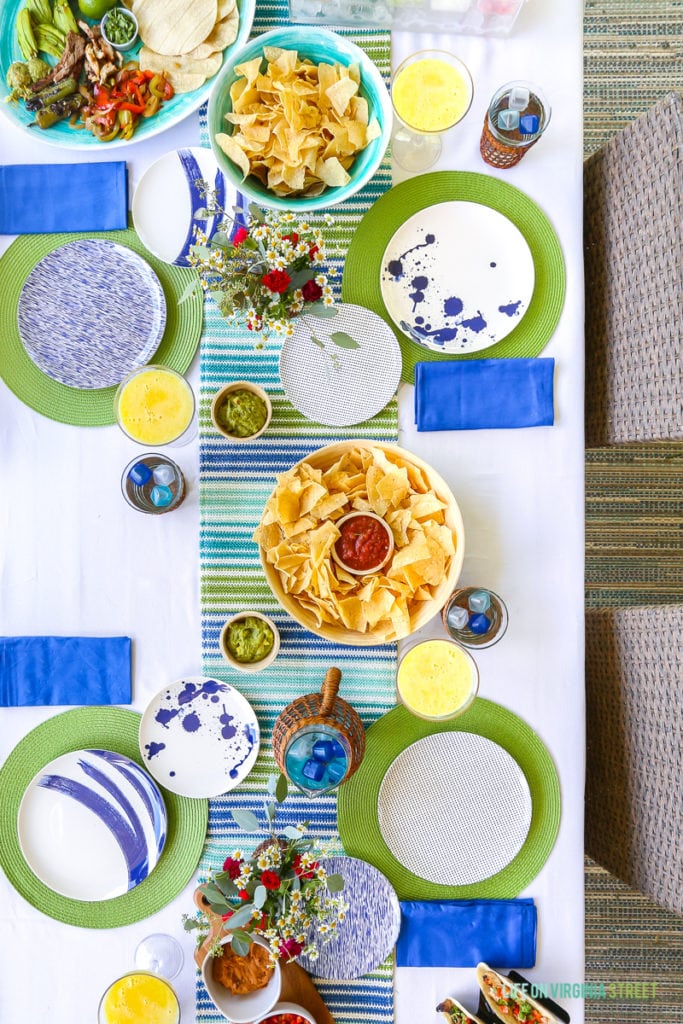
(634, 769)
(633, 239)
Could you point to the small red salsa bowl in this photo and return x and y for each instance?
(366, 543)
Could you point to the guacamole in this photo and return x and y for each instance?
(250, 639)
(242, 413)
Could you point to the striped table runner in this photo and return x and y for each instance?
(235, 482)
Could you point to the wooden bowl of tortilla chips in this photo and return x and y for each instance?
(299, 118)
(297, 532)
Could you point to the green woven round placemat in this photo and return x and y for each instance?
(106, 728)
(388, 737)
(86, 407)
(362, 266)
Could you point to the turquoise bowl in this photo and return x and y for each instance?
(320, 46)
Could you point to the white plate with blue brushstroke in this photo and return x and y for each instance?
(199, 737)
(92, 825)
(167, 198)
(91, 312)
(457, 277)
(368, 933)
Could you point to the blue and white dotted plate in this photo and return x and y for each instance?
(167, 199)
(92, 825)
(368, 933)
(199, 737)
(90, 313)
(457, 277)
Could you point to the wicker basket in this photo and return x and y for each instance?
(324, 708)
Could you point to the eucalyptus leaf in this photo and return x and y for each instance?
(247, 821)
(296, 884)
(189, 290)
(217, 296)
(319, 309)
(271, 785)
(318, 342)
(335, 883)
(256, 214)
(241, 943)
(202, 214)
(212, 892)
(201, 251)
(299, 278)
(281, 789)
(260, 896)
(221, 240)
(344, 340)
(270, 811)
(220, 907)
(190, 924)
(226, 884)
(240, 917)
(291, 832)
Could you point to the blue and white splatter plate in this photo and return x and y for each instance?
(91, 312)
(457, 277)
(368, 933)
(166, 201)
(92, 825)
(199, 737)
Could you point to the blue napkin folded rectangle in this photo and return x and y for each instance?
(463, 933)
(41, 671)
(480, 394)
(37, 199)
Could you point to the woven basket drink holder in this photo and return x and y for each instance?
(326, 709)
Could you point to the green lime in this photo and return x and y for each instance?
(95, 9)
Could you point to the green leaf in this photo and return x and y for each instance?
(335, 883)
(271, 784)
(344, 340)
(260, 896)
(241, 943)
(296, 883)
(256, 214)
(247, 821)
(270, 811)
(282, 786)
(203, 214)
(291, 832)
(212, 892)
(240, 917)
(225, 884)
(317, 341)
(201, 251)
(190, 924)
(221, 240)
(189, 290)
(319, 309)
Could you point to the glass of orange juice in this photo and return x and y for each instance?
(155, 406)
(431, 92)
(437, 679)
(139, 997)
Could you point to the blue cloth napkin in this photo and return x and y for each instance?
(37, 199)
(478, 394)
(39, 671)
(462, 933)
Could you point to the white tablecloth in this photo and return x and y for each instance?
(75, 560)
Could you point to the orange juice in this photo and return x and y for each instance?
(155, 405)
(437, 679)
(139, 998)
(431, 94)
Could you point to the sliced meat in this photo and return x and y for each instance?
(70, 63)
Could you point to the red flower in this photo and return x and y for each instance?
(291, 237)
(229, 914)
(270, 880)
(312, 251)
(308, 872)
(312, 291)
(239, 237)
(277, 280)
(290, 949)
(243, 894)
(232, 867)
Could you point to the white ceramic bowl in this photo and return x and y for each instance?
(250, 666)
(319, 45)
(122, 47)
(242, 1009)
(287, 1008)
(380, 565)
(240, 385)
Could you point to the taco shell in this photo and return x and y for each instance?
(456, 1013)
(488, 978)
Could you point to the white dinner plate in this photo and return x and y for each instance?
(331, 383)
(91, 312)
(167, 198)
(91, 825)
(199, 737)
(454, 808)
(457, 277)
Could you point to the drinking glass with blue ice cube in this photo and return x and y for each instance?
(319, 739)
(475, 617)
(518, 115)
(153, 483)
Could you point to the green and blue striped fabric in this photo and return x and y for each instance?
(235, 482)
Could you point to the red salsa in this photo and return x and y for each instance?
(364, 543)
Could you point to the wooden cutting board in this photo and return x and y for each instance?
(297, 986)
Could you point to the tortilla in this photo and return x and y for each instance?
(509, 989)
(456, 1013)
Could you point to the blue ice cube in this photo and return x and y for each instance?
(457, 617)
(528, 125)
(518, 98)
(161, 496)
(336, 770)
(337, 749)
(479, 601)
(313, 770)
(140, 473)
(322, 750)
(508, 120)
(163, 474)
(479, 623)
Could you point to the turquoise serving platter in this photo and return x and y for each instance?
(62, 134)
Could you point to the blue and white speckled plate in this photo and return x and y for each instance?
(91, 825)
(91, 312)
(199, 737)
(457, 277)
(368, 933)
